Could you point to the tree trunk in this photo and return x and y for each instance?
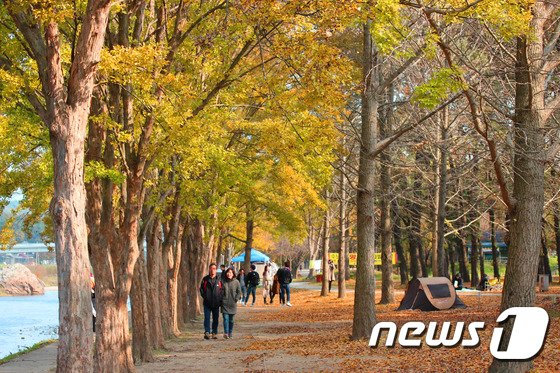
(249, 227)
(364, 295)
(546, 270)
(451, 252)
(397, 239)
(141, 338)
(495, 251)
(326, 242)
(68, 213)
(463, 257)
(172, 283)
(557, 231)
(163, 292)
(415, 260)
(528, 180)
(113, 350)
(481, 259)
(416, 218)
(154, 268)
(442, 195)
(112, 344)
(343, 247)
(385, 129)
(434, 214)
(65, 113)
(474, 257)
(194, 267)
(171, 262)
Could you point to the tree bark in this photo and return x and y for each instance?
(442, 194)
(451, 252)
(495, 251)
(475, 241)
(557, 231)
(326, 243)
(173, 282)
(249, 227)
(397, 239)
(416, 216)
(342, 239)
(194, 266)
(545, 270)
(385, 129)
(141, 337)
(66, 113)
(364, 296)
(528, 181)
(463, 257)
(154, 268)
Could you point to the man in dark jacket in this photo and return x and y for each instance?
(285, 279)
(211, 290)
(252, 279)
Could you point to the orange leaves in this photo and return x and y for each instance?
(321, 326)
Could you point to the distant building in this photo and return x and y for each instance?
(28, 253)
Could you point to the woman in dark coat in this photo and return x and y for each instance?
(275, 289)
(232, 294)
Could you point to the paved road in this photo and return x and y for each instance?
(42, 360)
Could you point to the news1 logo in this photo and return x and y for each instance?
(525, 342)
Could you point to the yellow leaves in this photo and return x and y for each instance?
(48, 10)
(138, 66)
(510, 18)
(7, 233)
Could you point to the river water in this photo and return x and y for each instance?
(26, 320)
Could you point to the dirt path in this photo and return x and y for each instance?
(192, 353)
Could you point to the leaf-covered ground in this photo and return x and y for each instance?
(314, 334)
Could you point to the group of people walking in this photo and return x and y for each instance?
(224, 292)
(277, 284)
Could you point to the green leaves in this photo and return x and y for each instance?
(438, 87)
(97, 170)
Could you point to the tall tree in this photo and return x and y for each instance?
(364, 295)
(64, 108)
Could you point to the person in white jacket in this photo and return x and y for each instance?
(267, 283)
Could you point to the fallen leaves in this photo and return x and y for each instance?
(321, 326)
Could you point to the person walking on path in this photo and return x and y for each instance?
(331, 277)
(267, 283)
(285, 279)
(275, 289)
(222, 272)
(211, 290)
(232, 294)
(242, 284)
(252, 280)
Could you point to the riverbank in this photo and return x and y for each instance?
(26, 320)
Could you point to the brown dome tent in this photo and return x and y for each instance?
(430, 294)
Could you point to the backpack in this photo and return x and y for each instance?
(254, 278)
(286, 276)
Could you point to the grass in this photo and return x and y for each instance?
(45, 273)
(36, 346)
